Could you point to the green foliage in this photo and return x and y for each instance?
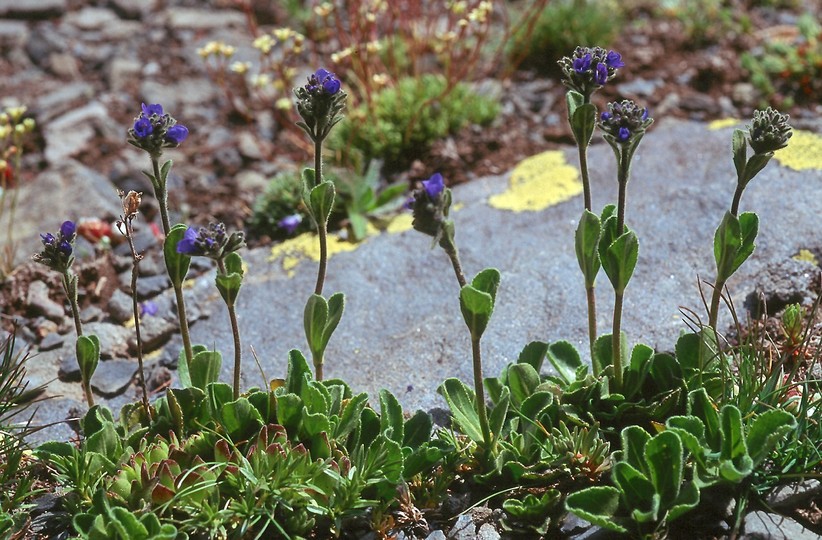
(282, 197)
(563, 25)
(406, 119)
(706, 21)
(649, 490)
(362, 199)
(789, 73)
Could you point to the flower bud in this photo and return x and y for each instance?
(769, 131)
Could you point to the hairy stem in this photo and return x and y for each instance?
(592, 317)
(616, 342)
(70, 286)
(161, 194)
(235, 331)
(322, 223)
(476, 355)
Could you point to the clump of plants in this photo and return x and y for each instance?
(15, 128)
(632, 441)
(788, 73)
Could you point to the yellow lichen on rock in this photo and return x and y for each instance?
(539, 182)
(722, 123)
(807, 256)
(804, 152)
(399, 224)
(307, 246)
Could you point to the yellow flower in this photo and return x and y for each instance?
(264, 43)
(240, 67)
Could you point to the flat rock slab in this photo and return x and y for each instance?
(402, 328)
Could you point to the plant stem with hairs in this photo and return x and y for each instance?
(235, 331)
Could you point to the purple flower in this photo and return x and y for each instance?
(154, 108)
(148, 308)
(434, 186)
(614, 59)
(177, 133)
(624, 134)
(188, 245)
(48, 239)
(65, 248)
(143, 127)
(67, 229)
(601, 75)
(605, 116)
(290, 223)
(582, 64)
(327, 80)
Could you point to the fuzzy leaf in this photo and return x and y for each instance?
(205, 368)
(462, 402)
(229, 283)
(417, 430)
(176, 263)
(533, 354)
(88, 355)
(583, 123)
(766, 431)
(391, 421)
(523, 379)
(598, 505)
(663, 455)
(565, 359)
(637, 491)
(740, 149)
(586, 242)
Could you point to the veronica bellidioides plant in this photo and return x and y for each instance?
(585, 72)
(734, 239)
(58, 254)
(431, 205)
(320, 104)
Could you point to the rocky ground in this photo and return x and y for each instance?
(83, 68)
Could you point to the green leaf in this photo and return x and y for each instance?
(619, 259)
(315, 318)
(740, 148)
(290, 412)
(702, 407)
(106, 442)
(688, 500)
(298, 373)
(88, 355)
(766, 431)
(586, 242)
(336, 306)
(533, 354)
(496, 420)
(755, 164)
(462, 402)
(583, 123)
(183, 370)
(240, 419)
(350, 415)
(176, 263)
(205, 368)
(358, 223)
(417, 430)
(597, 505)
(573, 100)
(748, 227)
(229, 283)
(309, 178)
(523, 380)
(391, 421)
(663, 455)
(321, 201)
(476, 307)
(634, 439)
(164, 170)
(603, 351)
(637, 491)
(727, 241)
(218, 394)
(735, 462)
(637, 370)
(565, 359)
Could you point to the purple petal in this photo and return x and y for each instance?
(65, 248)
(177, 133)
(434, 185)
(48, 239)
(582, 65)
(67, 229)
(188, 245)
(143, 128)
(624, 134)
(290, 223)
(154, 108)
(614, 60)
(601, 76)
(148, 308)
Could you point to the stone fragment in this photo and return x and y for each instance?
(120, 306)
(123, 73)
(90, 18)
(69, 134)
(761, 525)
(783, 283)
(38, 302)
(52, 341)
(154, 332)
(68, 370)
(113, 338)
(64, 65)
(792, 495)
(112, 377)
(132, 9)
(179, 18)
(41, 9)
(91, 314)
(61, 100)
(436, 535)
(13, 34)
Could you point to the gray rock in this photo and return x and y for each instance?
(41, 9)
(179, 18)
(133, 9)
(144, 240)
(68, 370)
(13, 34)
(760, 525)
(61, 100)
(90, 18)
(64, 65)
(123, 73)
(91, 314)
(113, 338)
(640, 87)
(154, 332)
(436, 535)
(52, 341)
(112, 377)
(249, 146)
(39, 303)
(784, 282)
(250, 181)
(487, 532)
(463, 529)
(150, 286)
(792, 495)
(69, 134)
(43, 41)
(700, 106)
(120, 306)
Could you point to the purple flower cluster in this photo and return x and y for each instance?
(589, 68)
(212, 241)
(154, 130)
(58, 250)
(290, 223)
(430, 205)
(623, 120)
(320, 103)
